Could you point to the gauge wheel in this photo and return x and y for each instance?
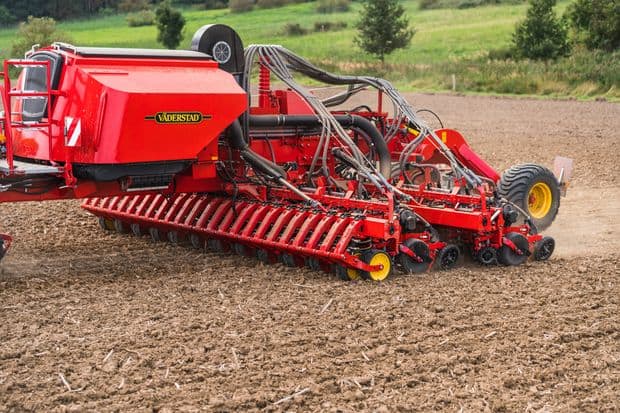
(377, 257)
(534, 189)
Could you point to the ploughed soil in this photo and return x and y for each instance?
(96, 321)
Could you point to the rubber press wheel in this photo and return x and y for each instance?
(421, 250)
(448, 257)
(544, 248)
(507, 256)
(377, 257)
(534, 189)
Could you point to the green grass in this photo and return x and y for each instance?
(448, 41)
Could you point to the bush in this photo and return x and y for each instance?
(502, 54)
(462, 4)
(597, 22)
(270, 4)
(468, 4)
(126, 6)
(6, 17)
(215, 4)
(240, 6)
(141, 18)
(333, 6)
(542, 35)
(294, 29)
(329, 26)
(37, 30)
(106, 12)
(429, 4)
(170, 23)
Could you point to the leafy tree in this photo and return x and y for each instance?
(170, 23)
(383, 28)
(597, 22)
(37, 30)
(542, 35)
(6, 17)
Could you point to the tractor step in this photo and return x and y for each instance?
(28, 168)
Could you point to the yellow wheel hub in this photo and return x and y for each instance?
(382, 259)
(539, 200)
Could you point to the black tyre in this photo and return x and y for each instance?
(136, 229)
(173, 237)
(448, 257)
(288, 260)
(156, 235)
(534, 189)
(544, 249)
(420, 249)
(377, 257)
(507, 256)
(263, 256)
(196, 241)
(487, 256)
(120, 226)
(313, 263)
(240, 249)
(106, 224)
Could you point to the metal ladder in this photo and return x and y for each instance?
(8, 165)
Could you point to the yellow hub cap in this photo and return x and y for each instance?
(380, 258)
(539, 200)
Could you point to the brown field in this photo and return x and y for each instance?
(135, 326)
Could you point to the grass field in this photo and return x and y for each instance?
(448, 41)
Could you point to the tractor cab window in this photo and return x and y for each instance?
(34, 108)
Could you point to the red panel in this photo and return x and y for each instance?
(118, 100)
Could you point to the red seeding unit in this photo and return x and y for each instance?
(173, 145)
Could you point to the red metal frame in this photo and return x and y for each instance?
(121, 128)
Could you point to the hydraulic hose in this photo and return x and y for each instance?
(346, 121)
(237, 141)
(260, 164)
